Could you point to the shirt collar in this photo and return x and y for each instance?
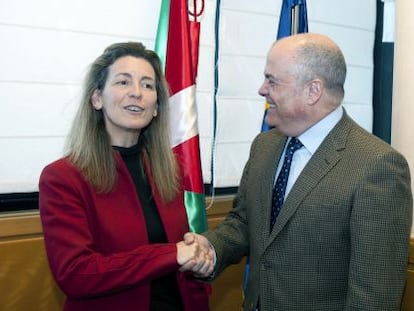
(314, 136)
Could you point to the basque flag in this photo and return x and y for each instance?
(177, 44)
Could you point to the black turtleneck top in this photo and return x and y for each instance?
(164, 291)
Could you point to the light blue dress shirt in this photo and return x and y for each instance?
(311, 140)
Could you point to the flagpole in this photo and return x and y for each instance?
(294, 20)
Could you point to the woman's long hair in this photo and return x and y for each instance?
(88, 144)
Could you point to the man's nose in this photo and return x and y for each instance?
(263, 89)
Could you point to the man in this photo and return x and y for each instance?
(340, 239)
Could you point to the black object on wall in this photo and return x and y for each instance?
(12, 202)
(383, 80)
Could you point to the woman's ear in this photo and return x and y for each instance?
(155, 113)
(96, 99)
(314, 91)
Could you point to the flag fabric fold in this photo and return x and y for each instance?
(177, 45)
(293, 18)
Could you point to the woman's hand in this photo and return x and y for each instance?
(195, 254)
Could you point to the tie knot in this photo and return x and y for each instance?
(294, 144)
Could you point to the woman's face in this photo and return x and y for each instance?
(128, 99)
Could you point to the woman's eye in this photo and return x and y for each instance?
(122, 82)
(148, 85)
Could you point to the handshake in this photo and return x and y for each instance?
(195, 254)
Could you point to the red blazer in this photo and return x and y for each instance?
(97, 244)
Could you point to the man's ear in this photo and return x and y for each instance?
(96, 99)
(314, 90)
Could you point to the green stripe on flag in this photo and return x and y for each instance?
(194, 205)
(162, 32)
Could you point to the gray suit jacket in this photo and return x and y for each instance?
(341, 239)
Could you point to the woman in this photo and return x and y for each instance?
(112, 209)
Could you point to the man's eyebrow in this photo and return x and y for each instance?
(270, 77)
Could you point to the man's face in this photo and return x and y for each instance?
(284, 94)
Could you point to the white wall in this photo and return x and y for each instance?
(402, 117)
(46, 46)
(246, 32)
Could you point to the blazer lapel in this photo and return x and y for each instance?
(324, 159)
(267, 186)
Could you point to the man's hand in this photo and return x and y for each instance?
(195, 254)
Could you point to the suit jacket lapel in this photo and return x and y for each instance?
(324, 159)
(267, 186)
